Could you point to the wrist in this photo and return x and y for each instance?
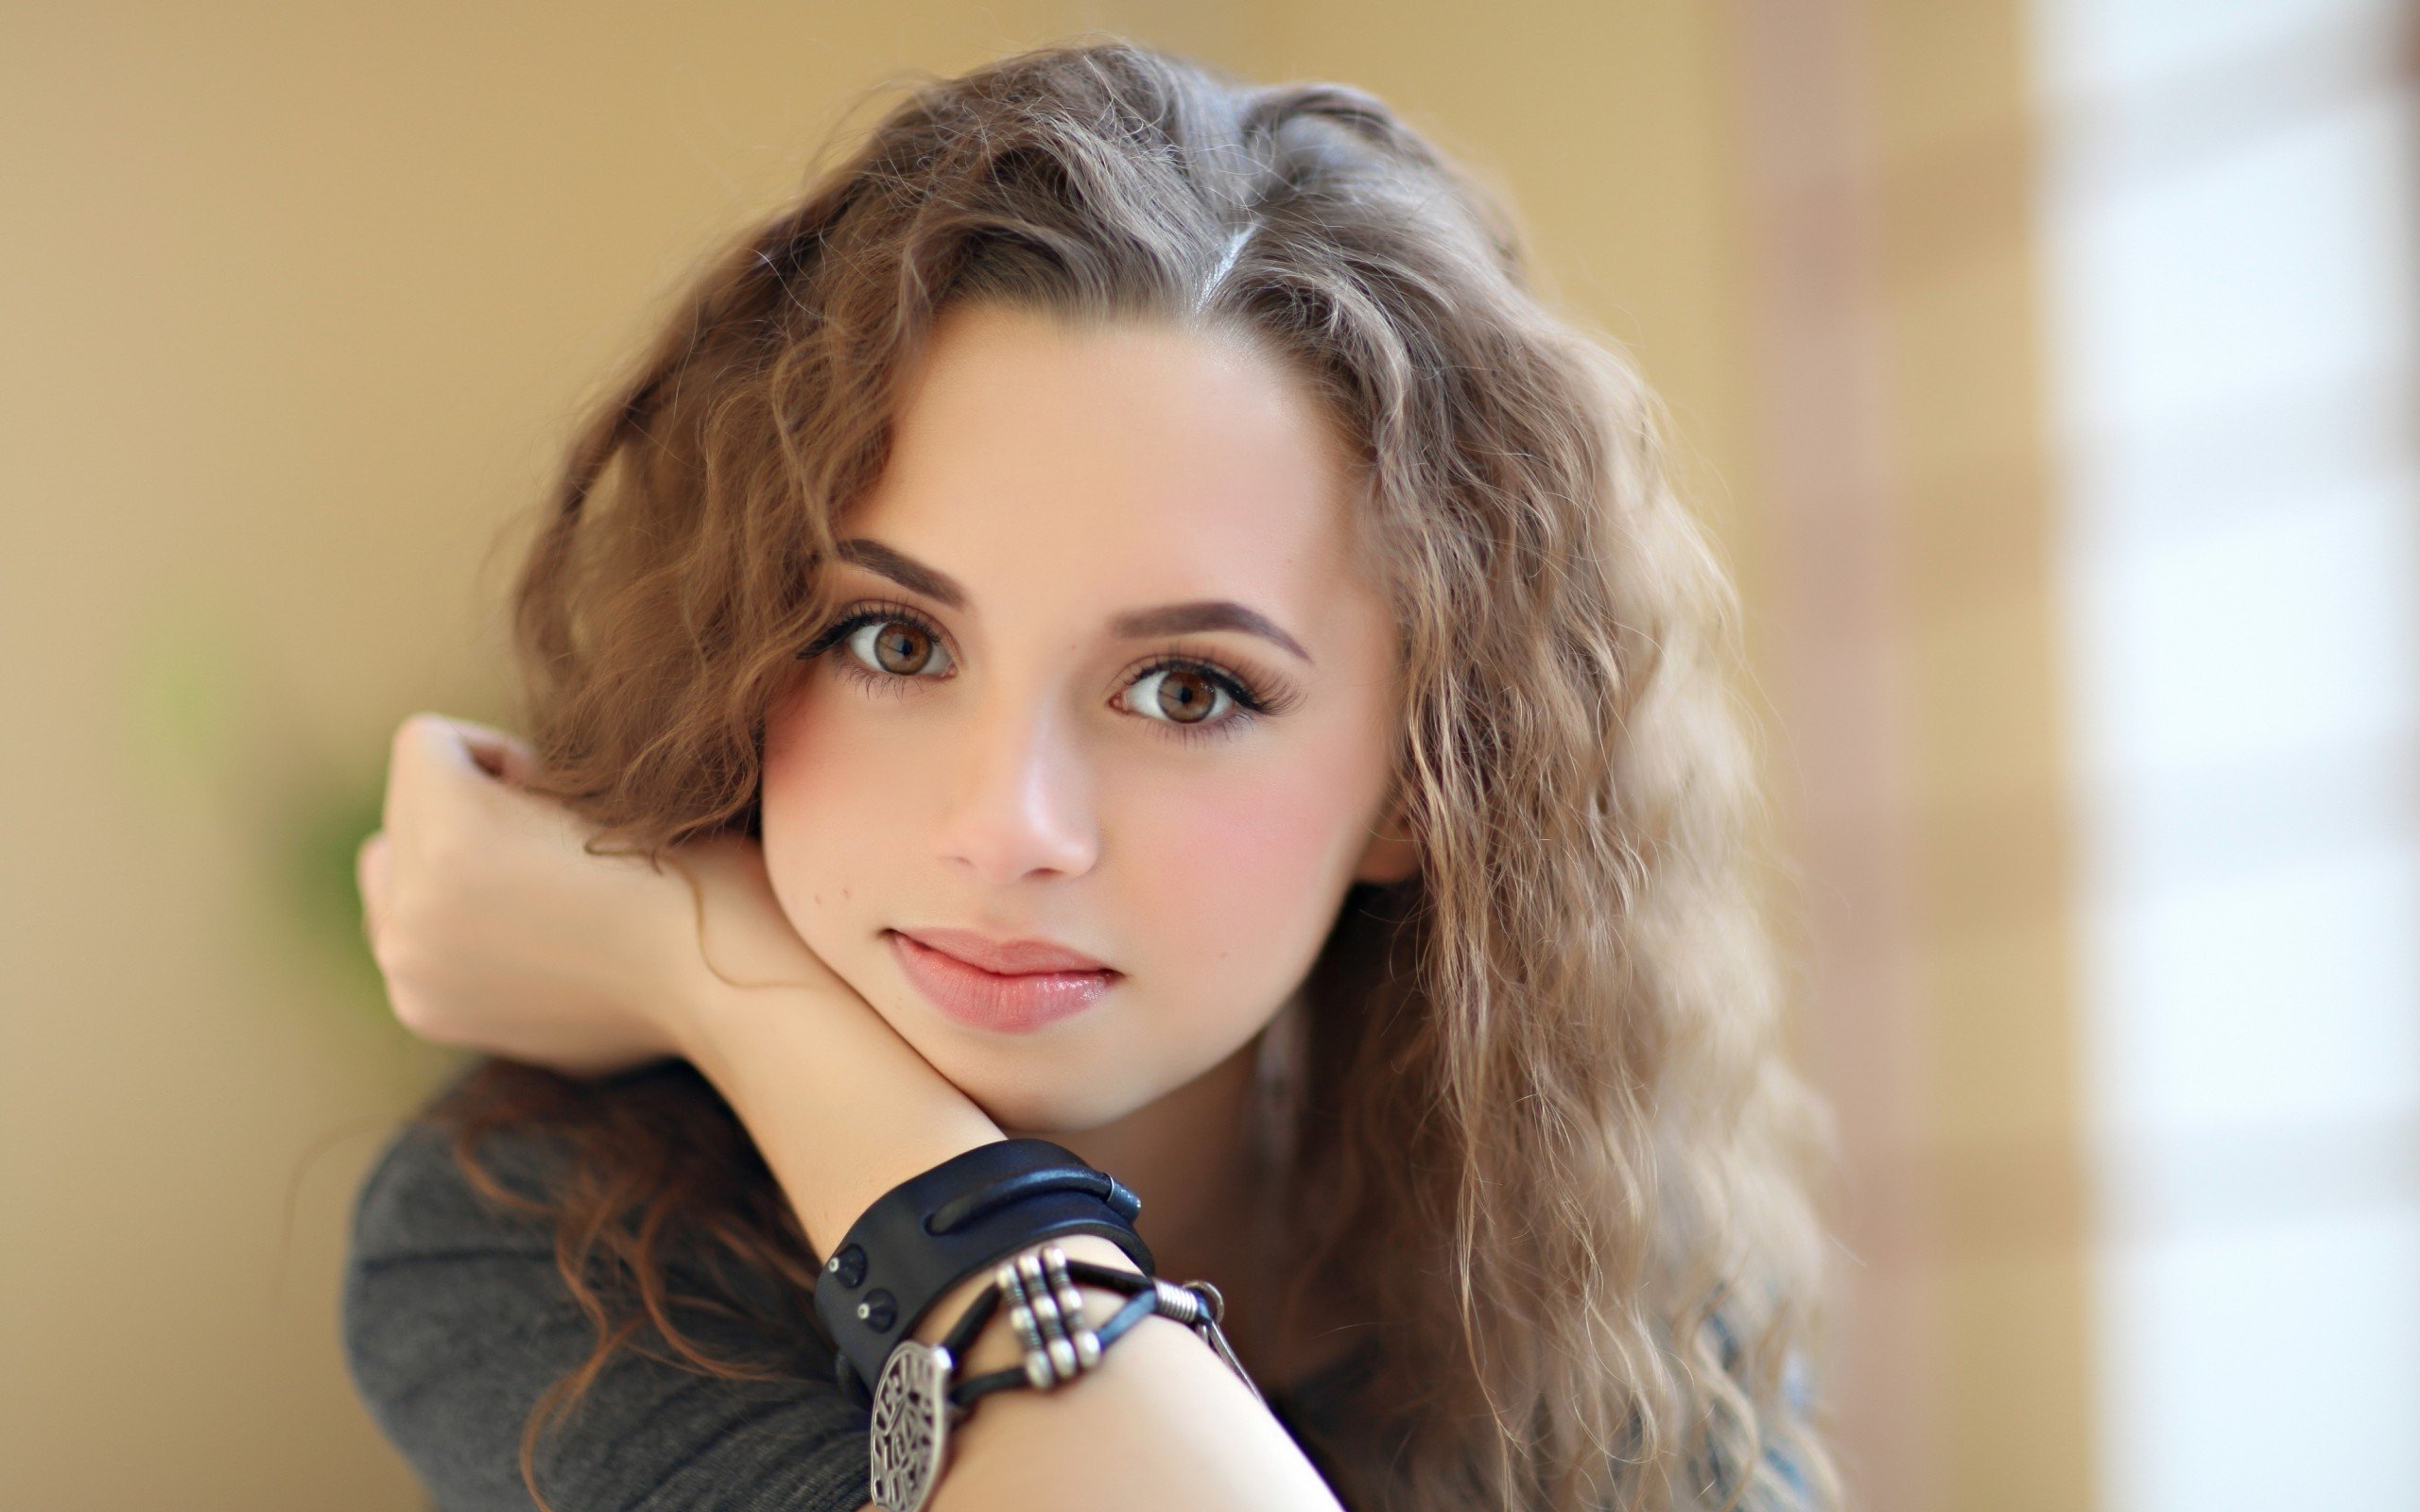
(708, 1003)
(842, 1109)
(736, 947)
(995, 1346)
(702, 1013)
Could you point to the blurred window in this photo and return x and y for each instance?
(2227, 233)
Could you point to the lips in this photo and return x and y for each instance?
(1012, 958)
(973, 996)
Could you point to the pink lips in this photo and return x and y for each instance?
(1013, 987)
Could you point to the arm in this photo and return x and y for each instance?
(1161, 1422)
(456, 1323)
(497, 932)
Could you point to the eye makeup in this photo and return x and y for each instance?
(1245, 701)
(1169, 619)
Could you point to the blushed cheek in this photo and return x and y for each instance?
(811, 807)
(793, 762)
(1240, 874)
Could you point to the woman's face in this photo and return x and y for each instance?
(1093, 552)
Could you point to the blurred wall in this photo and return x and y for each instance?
(1906, 507)
(297, 300)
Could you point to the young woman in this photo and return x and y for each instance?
(1118, 619)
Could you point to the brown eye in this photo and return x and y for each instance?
(1186, 697)
(898, 647)
(902, 648)
(1177, 695)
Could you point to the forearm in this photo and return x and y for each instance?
(1161, 1421)
(841, 1107)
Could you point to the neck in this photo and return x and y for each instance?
(1188, 1156)
(1191, 1158)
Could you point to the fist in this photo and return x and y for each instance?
(496, 928)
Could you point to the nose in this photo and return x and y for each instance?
(1022, 802)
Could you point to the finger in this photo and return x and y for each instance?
(370, 879)
(416, 761)
(461, 747)
(433, 773)
(497, 753)
(411, 1012)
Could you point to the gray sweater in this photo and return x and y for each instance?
(456, 1321)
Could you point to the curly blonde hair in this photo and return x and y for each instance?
(1541, 1125)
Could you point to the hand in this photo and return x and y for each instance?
(497, 930)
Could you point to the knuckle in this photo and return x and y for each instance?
(414, 1013)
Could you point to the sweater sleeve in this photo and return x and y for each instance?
(456, 1321)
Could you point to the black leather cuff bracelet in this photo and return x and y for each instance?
(934, 1230)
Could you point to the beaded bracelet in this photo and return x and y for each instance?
(915, 1401)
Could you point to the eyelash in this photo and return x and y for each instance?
(1250, 704)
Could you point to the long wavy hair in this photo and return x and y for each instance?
(1540, 1123)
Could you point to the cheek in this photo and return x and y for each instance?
(1246, 869)
(1220, 881)
(820, 812)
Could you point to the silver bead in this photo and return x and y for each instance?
(1037, 1370)
(1029, 1335)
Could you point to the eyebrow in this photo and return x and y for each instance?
(1167, 619)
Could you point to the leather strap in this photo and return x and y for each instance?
(934, 1230)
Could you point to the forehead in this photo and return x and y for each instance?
(1138, 462)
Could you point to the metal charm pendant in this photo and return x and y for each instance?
(1214, 1311)
(910, 1425)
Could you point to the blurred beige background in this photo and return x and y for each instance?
(297, 300)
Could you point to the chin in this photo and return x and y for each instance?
(1018, 1083)
(1052, 1108)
